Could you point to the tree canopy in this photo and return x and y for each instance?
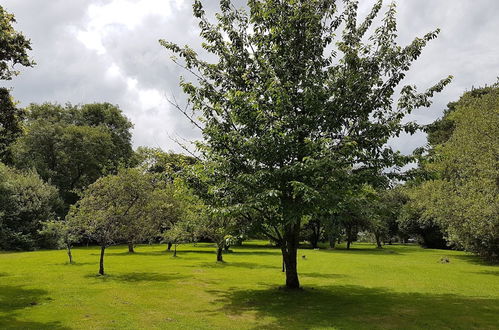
(14, 47)
(463, 194)
(72, 146)
(298, 92)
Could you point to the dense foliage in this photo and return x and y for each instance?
(72, 146)
(14, 47)
(463, 194)
(25, 202)
(298, 94)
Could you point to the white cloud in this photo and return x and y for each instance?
(107, 51)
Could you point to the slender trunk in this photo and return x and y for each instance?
(130, 248)
(69, 254)
(169, 246)
(175, 250)
(219, 254)
(101, 265)
(226, 248)
(378, 241)
(314, 241)
(283, 264)
(332, 241)
(349, 237)
(289, 253)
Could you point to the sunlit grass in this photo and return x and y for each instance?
(397, 287)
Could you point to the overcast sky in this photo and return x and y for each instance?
(108, 51)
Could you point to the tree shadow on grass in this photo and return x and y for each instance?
(235, 251)
(356, 307)
(488, 272)
(75, 263)
(356, 251)
(321, 275)
(136, 253)
(476, 260)
(16, 298)
(137, 277)
(231, 264)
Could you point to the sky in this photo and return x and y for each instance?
(107, 51)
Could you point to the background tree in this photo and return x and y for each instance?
(282, 110)
(25, 202)
(10, 125)
(112, 208)
(73, 146)
(463, 196)
(64, 232)
(183, 231)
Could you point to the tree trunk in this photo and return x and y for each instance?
(378, 241)
(169, 246)
(219, 254)
(314, 242)
(101, 265)
(130, 248)
(349, 236)
(69, 254)
(332, 241)
(289, 253)
(175, 250)
(283, 264)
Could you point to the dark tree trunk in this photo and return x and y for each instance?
(378, 241)
(175, 250)
(130, 248)
(219, 254)
(332, 241)
(169, 246)
(101, 265)
(349, 232)
(289, 253)
(314, 242)
(70, 256)
(283, 264)
(226, 247)
(316, 236)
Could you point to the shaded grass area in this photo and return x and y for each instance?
(363, 288)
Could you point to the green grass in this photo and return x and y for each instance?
(397, 287)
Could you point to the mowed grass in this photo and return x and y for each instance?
(364, 288)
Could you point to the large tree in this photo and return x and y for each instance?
(72, 146)
(13, 50)
(14, 47)
(462, 195)
(290, 100)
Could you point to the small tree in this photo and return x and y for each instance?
(64, 232)
(113, 209)
(181, 232)
(219, 228)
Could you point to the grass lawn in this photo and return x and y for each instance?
(397, 287)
